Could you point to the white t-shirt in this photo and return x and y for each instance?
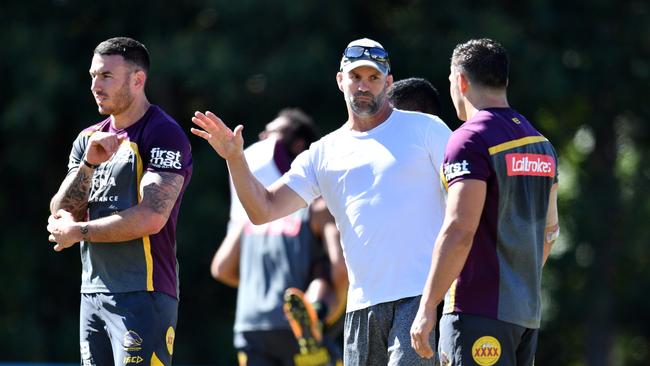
(383, 188)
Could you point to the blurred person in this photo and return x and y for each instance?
(415, 94)
(282, 259)
(377, 173)
(500, 222)
(120, 200)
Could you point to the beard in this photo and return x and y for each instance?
(120, 101)
(365, 108)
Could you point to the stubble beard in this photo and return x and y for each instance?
(122, 100)
(366, 109)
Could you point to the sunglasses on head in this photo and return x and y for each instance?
(375, 53)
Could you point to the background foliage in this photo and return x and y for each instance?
(580, 72)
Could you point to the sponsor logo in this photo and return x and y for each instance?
(530, 164)
(132, 359)
(86, 357)
(165, 158)
(516, 120)
(124, 156)
(169, 339)
(486, 351)
(455, 169)
(132, 341)
(101, 182)
(105, 199)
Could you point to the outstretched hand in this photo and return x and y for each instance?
(226, 142)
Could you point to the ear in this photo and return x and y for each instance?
(139, 79)
(463, 83)
(339, 80)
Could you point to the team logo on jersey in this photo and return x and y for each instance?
(165, 159)
(132, 341)
(486, 351)
(169, 340)
(455, 169)
(530, 164)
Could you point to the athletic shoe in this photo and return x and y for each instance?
(303, 320)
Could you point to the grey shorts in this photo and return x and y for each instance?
(467, 339)
(380, 335)
(127, 328)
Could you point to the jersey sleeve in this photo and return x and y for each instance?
(466, 157)
(77, 152)
(301, 177)
(168, 150)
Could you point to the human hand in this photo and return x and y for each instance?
(421, 329)
(64, 231)
(226, 142)
(102, 146)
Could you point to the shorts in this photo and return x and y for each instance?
(467, 339)
(127, 328)
(278, 347)
(379, 335)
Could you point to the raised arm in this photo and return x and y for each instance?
(261, 204)
(159, 192)
(72, 195)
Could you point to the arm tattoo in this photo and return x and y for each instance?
(160, 191)
(74, 197)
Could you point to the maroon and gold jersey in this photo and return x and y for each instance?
(502, 275)
(155, 143)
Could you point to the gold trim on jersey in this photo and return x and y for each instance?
(516, 143)
(449, 305)
(146, 242)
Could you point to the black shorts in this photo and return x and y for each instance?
(467, 339)
(127, 328)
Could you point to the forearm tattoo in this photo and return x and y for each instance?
(75, 196)
(160, 192)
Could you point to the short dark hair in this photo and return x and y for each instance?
(484, 61)
(133, 51)
(300, 126)
(415, 94)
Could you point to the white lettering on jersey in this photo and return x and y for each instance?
(455, 169)
(165, 159)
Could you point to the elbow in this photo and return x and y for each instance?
(259, 218)
(221, 274)
(154, 223)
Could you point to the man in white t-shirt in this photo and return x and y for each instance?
(378, 174)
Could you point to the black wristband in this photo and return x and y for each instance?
(91, 166)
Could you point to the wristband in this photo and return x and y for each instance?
(91, 166)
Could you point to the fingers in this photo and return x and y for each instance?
(420, 332)
(238, 131)
(420, 343)
(200, 133)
